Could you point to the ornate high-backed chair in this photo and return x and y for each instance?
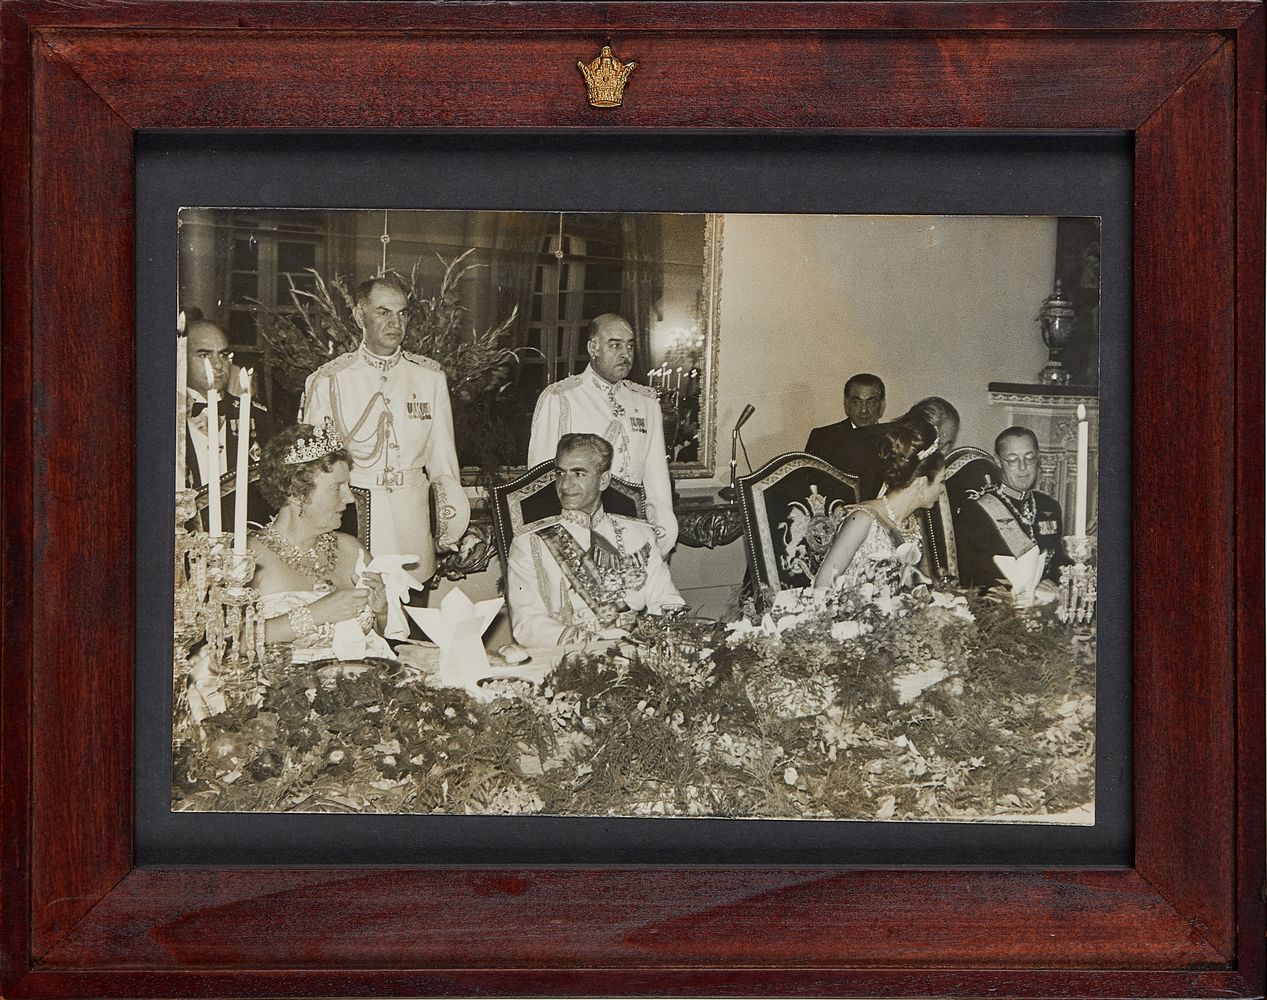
(941, 558)
(530, 498)
(791, 508)
(968, 469)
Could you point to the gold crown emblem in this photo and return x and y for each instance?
(605, 78)
(319, 444)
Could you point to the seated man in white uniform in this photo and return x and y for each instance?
(601, 400)
(582, 574)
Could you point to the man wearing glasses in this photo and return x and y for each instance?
(1010, 518)
(584, 574)
(209, 345)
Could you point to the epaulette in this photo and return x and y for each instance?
(545, 522)
(335, 365)
(256, 405)
(424, 361)
(563, 385)
(643, 390)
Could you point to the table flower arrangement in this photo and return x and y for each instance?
(884, 704)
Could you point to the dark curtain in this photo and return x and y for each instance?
(1078, 270)
(518, 243)
(642, 284)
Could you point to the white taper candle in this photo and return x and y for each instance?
(243, 457)
(1080, 511)
(214, 523)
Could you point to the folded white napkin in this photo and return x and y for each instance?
(1023, 573)
(457, 626)
(398, 583)
(349, 642)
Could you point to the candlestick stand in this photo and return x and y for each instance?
(1076, 604)
(213, 603)
(235, 630)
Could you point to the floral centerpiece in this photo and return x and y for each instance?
(887, 703)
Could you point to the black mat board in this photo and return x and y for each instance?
(1083, 174)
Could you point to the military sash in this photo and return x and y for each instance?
(1013, 535)
(600, 576)
(580, 570)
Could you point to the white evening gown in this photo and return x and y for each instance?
(879, 546)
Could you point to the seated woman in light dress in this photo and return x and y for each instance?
(305, 568)
(913, 474)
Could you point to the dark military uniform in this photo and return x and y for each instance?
(195, 451)
(1001, 521)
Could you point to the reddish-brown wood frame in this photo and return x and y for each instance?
(81, 77)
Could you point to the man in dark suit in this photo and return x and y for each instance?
(208, 345)
(1010, 518)
(939, 414)
(838, 443)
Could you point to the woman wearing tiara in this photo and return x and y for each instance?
(913, 474)
(306, 570)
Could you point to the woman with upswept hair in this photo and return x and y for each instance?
(913, 472)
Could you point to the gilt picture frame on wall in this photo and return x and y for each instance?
(87, 911)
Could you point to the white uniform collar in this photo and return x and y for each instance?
(579, 517)
(600, 383)
(383, 364)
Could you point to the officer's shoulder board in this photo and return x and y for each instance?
(545, 522)
(335, 365)
(643, 390)
(424, 361)
(563, 385)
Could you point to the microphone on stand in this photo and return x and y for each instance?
(732, 491)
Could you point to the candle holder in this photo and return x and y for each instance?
(1076, 605)
(189, 617)
(234, 627)
(190, 575)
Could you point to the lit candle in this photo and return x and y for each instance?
(678, 386)
(182, 404)
(244, 448)
(1080, 511)
(214, 525)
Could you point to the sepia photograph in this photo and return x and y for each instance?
(728, 516)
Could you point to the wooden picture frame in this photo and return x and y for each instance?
(1185, 78)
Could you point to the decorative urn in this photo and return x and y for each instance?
(1055, 321)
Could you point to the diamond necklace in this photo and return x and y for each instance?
(316, 562)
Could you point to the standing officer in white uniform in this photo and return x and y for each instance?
(600, 401)
(391, 409)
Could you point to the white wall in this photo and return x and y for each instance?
(933, 305)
